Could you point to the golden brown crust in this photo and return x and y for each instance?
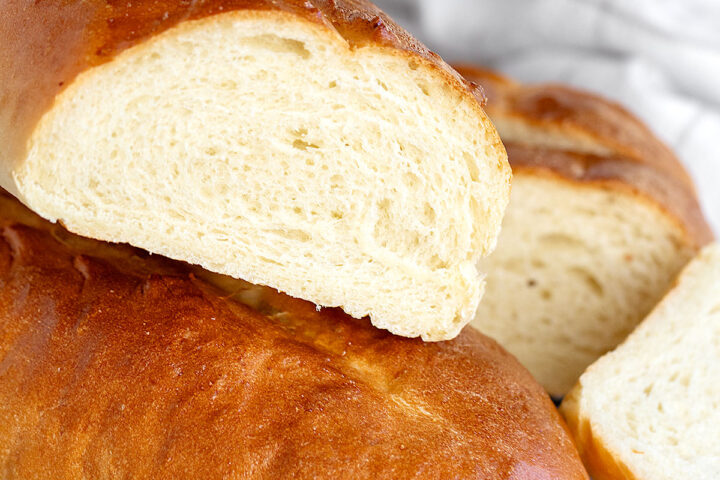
(47, 44)
(494, 85)
(116, 364)
(639, 162)
(577, 112)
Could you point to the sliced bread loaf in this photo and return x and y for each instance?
(119, 365)
(313, 146)
(602, 217)
(650, 410)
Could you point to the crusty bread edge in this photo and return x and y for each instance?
(694, 229)
(582, 114)
(599, 460)
(676, 199)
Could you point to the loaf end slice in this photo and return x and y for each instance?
(601, 220)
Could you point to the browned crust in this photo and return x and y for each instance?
(616, 172)
(45, 45)
(640, 163)
(575, 111)
(116, 364)
(493, 83)
(600, 462)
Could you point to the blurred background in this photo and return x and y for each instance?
(659, 58)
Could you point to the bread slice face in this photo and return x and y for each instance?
(574, 267)
(649, 409)
(602, 218)
(285, 151)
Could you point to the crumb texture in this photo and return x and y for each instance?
(602, 218)
(653, 404)
(576, 268)
(352, 177)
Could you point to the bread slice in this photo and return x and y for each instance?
(116, 364)
(602, 217)
(311, 146)
(650, 410)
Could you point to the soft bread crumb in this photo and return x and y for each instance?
(652, 406)
(576, 268)
(341, 176)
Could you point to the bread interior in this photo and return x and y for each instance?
(264, 147)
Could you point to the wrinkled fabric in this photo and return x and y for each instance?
(659, 58)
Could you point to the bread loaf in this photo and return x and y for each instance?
(602, 218)
(116, 364)
(313, 146)
(649, 410)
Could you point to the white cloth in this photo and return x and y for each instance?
(659, 58)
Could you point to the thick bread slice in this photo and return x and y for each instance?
(115, 364)
(650, 410)
(311, 146)
(602, 218)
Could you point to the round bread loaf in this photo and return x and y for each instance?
(313, 146)
(602, 218)
(116, 364)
